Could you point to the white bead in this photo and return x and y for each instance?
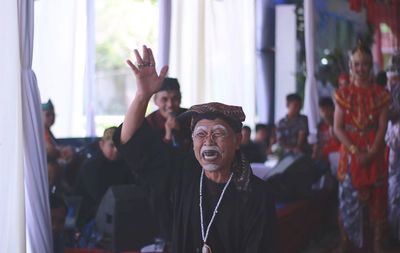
(204, 234)
(206, 249)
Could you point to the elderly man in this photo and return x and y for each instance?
(218, 204)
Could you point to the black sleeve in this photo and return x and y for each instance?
(270, 230)
(261, 231)
(153, 160)
(145, 151)
(87, 180)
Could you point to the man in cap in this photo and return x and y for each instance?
(165, 127)
(163, 121)
(218, 204)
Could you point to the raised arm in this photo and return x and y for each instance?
(148, 83)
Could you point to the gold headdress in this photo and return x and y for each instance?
(362, 48)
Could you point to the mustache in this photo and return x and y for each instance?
(210, 148)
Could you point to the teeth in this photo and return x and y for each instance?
(210, 154)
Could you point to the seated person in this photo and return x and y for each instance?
(246, 135)
(54, 176)
(162, 121)
(250, 149)
(99, 173)
(63, 154)
(261, 133)
(327, 141)
(292, 130)
(261, 137)
(265, 138)
(327, 144)
(58, 215)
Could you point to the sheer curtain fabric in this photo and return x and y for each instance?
(12, 212)
(25, 212)
(212, 52)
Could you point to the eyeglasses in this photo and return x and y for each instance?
(215, 136)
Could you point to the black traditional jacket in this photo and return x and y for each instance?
(246, 218)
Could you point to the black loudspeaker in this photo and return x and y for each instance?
(125, 215)
(292, 178)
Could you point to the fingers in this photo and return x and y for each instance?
(138, 57)
(163, 72)
(151, 57)
(146, 61)
(133, 67)
(146, 55)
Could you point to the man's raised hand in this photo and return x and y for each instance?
(147, 79)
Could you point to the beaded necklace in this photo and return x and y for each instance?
(206, 248)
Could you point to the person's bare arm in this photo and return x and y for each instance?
(301, 141)
(338, 127)
(380, 134)
(148, 83)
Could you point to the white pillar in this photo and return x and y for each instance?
(164, 33)
(310, 92)
(285, 57)
(90, 70)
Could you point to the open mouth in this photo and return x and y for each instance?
(210, 154)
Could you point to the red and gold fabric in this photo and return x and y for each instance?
(362, 107)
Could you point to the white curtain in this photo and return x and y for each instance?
(164, 33)
(12, 211)
(60, 59)
(213, 52)
(311, 93)
(25, 212)
(265, 39)
(37, 209)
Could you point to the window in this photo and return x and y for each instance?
(60, 58)
(121, 26)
